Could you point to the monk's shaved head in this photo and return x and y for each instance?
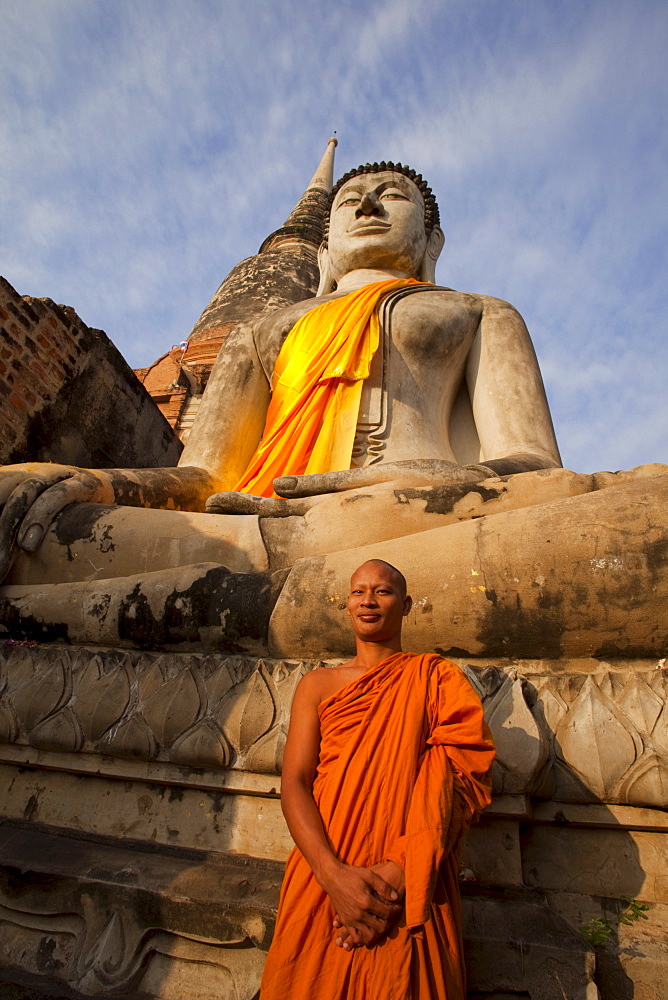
(398, 575)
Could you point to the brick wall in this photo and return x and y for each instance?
(67, 395)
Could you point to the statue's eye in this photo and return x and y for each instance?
(351, 200)
(393, 196)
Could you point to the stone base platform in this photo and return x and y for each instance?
(102, 920)
(142, 840)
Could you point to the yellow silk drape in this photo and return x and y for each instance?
(317, 387)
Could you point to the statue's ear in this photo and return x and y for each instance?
(435, 243)
(327, 283)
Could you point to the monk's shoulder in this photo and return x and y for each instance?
(448, 672)
(320, 682)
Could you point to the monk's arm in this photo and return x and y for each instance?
(363, 901)
(507, 395)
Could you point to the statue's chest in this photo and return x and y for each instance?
(429, 330)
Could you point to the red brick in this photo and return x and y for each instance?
(17, 402)
(3, 315)
(41, 339)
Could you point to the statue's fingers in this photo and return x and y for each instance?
(9, 480)
(332, 482)
(15, 509)
(245, 503)
(49, 505)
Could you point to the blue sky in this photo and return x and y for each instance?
(149, 145)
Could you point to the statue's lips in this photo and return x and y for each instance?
(361, 229)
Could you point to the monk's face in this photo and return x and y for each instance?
(377, 603)
(377, 220)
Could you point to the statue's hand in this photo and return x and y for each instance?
(32, 495)
(415, 472)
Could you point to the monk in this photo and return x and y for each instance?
(387, 762)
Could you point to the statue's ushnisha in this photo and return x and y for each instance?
(371, 410)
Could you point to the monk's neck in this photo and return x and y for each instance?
(353, 280)
(370, 653)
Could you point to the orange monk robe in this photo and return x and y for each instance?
(404, 766)
(317, 388)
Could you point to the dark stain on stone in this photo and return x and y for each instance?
(442, 499)
(537, 632)
(31, 808)
(611, 651)
(216, 802)
(99, 609)
(491, 595)
(44, 958)
(657, 557)
(242, 601)
(175, 795)
(79, 520)
(20, 626)
(452, 651)
(358, 496)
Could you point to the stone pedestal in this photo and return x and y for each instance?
(141, 840)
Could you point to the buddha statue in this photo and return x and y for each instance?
(439, 422)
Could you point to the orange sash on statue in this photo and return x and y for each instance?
(317, 387)
(404, 766)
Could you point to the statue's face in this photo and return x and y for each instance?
(377, 220)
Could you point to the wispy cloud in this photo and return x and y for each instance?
(148, 145)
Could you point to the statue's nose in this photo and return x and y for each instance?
(369, 205)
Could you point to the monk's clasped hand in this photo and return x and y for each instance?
(365, 905)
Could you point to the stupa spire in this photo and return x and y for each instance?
(306, 221)
(324, 175)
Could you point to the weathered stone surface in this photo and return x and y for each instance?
(514, 944)
(579, 577)
(562, 730)
(108, 920)
(491, 854)
(598, 862)
(69, 395)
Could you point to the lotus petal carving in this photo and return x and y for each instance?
(101, 701)
(59, 732)
(647, 783)
(131, 738)
(9, 728)
(660, 733)
(521, 747)
(20, 668)
(597, 741)
(549, 708)
(640, 703)
(266, 756)
(247, 711)
(218, 684)
(43, 692)
(173, 707)
(202, 747)
(286, 679)
(150, 679)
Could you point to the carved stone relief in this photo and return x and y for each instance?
(574, 737)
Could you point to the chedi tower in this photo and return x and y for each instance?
(284, 270)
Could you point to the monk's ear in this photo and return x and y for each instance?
(435, 243)
(408, 604)
(327, 283)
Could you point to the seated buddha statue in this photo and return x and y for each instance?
(364, 416)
